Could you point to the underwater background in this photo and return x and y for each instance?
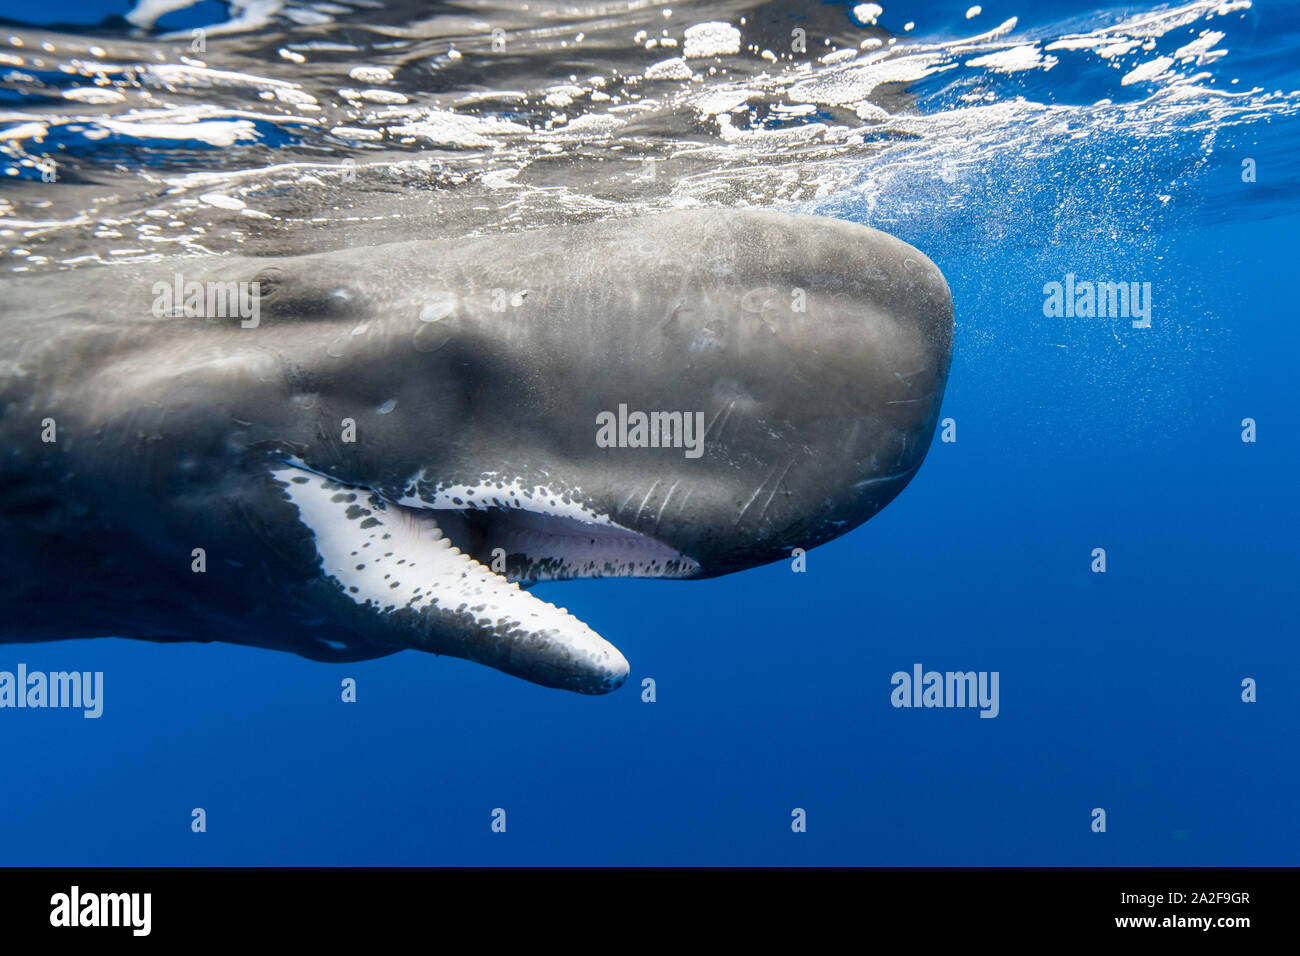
(1063, 144)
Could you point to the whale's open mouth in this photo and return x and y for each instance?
(456, 559)
(528, 545)
(534, 533)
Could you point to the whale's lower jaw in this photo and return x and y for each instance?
(445, 579)
(526, 545)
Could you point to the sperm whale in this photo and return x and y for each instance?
(354, 452)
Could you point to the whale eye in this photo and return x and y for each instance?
(289, 297)
(268, 281)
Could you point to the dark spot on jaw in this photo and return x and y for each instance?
(370, 522)
(356, 511)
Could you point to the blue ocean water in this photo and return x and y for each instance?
(1119, 690)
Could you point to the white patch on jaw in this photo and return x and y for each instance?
(391, 558)
(491, 491)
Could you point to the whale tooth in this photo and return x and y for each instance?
(438, 598)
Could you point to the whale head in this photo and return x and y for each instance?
(404, 434)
